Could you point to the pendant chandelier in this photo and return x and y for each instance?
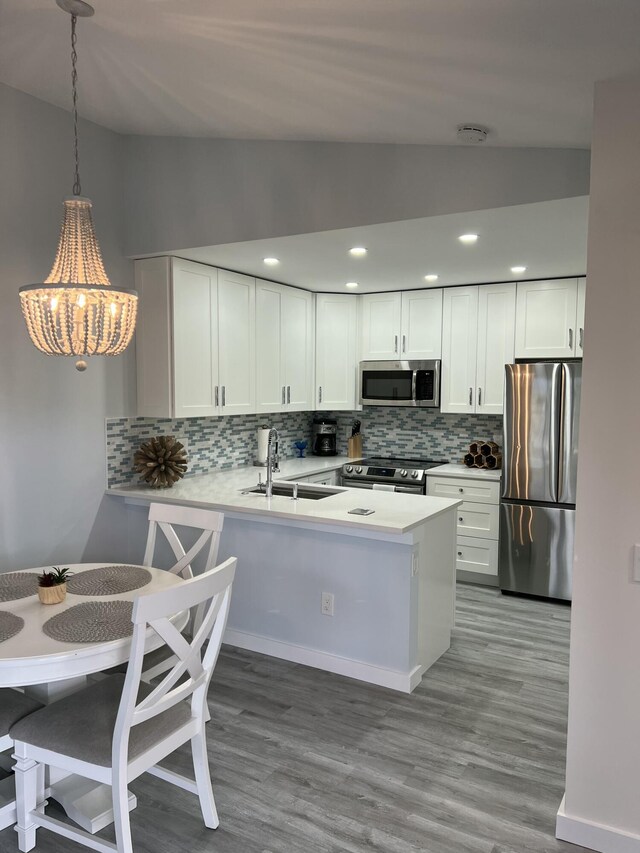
(76, 311)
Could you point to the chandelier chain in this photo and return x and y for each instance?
(77, 189)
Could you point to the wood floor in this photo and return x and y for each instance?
(303, 760)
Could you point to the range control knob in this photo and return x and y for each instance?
(348, 468)
(359, 469)
(414, 474)
(403, 473)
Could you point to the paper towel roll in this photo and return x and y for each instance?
(384, 487)
(263, 444)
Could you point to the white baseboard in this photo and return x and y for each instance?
(404, 682)
(595, 836)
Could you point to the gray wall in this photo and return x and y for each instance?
(186, 193)
(51, 416)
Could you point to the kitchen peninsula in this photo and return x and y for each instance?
(387, 579)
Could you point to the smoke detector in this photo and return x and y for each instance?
(472, 134)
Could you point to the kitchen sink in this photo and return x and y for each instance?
(309, 493)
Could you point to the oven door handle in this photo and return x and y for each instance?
(409, 490)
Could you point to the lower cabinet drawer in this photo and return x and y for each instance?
(464, 488)
(481, 521)
(477, 555)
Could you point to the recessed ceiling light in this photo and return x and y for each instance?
(358, 251)
(518, 269)
(431, 277)
(351, 284)
(468, 238)
(271, 262)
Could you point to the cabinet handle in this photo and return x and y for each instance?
(224, 396)
(479, 396)
(404, 343)
(216, 397)
(471, 396)
(395, 344)
(461, 490)
(570, 338)
(288, 393)
(284, 399)
(459, 553)
(581, 338)
(460, 518)
(320, 393)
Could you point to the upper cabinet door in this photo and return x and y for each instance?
(236, 343)
(297, 348)
(421, 334)
(546, 319)
(496, 336)
(336, 362)
(582, 292)
(270, 386)
(381, 320)
(195, 339)
(459, 336)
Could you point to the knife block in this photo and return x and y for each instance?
(354, 447)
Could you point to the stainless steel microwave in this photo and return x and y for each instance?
(400, 383)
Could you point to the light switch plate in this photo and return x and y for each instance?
(635, 572)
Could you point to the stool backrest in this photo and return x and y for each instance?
(189, 677)
(164, 516)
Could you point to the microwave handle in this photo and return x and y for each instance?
(414, 385)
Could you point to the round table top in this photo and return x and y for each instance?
(31, 657)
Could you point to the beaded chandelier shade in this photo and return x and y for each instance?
(76, 311)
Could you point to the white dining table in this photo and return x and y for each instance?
(49, 669)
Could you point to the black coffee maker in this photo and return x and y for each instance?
(325, 435)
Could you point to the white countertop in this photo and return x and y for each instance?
(223, 490)
(457, 469)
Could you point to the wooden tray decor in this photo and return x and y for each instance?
(483, 454)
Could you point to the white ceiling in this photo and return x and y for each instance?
(549, 238)
(347, 70)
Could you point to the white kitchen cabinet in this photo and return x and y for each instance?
(477, 341)
(380, 322)
(582, 289)
(459, 345)
(195, 346)
(336, 358)
(478, 523)
(495, 347)
(326, 478)
(405, 325)
(236, 343)
(546, 319)
(284, 348)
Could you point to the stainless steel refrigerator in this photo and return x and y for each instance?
(540, 460)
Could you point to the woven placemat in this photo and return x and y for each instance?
(15, 585)
(108, 580)
(91, 622)
(10, 625)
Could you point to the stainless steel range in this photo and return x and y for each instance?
(389, 474)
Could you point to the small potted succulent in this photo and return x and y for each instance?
(52, 585)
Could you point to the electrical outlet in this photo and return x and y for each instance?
(326, 605)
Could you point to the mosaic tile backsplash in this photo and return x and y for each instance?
(211, 443)
(216, 443)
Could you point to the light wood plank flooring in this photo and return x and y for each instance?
(307, 761)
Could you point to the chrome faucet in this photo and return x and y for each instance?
(272, 460)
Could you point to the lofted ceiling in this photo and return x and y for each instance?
(548, 238)
(406, 71)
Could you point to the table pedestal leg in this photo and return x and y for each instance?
(86, 802)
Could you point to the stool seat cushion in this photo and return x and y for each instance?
(13, 707)
(81, 725)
